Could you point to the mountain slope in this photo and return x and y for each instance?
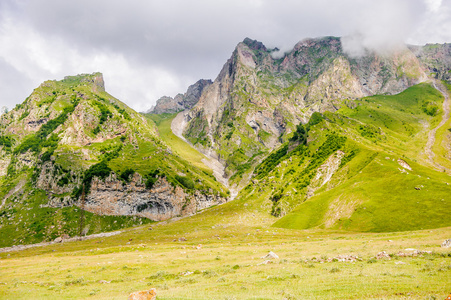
(70, 136)
(362, 168)
(256, 101)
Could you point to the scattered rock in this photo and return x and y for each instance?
(187, 273)
(446, 244)
(144, 295)
(400, 263)
(382, 255)
(265, 262)
(182, 239)
(405, 165)
(344, 258)
(270, 255)
(58, 240)
(104, 281)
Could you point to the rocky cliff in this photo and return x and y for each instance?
(436, 58)
(164, 201)
(181, 101)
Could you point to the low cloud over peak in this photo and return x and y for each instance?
(147, 49)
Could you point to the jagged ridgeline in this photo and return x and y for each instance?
(71, 134)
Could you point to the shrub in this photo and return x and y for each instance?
(185, 181)
(125, 175)
(100, 170)
(151, 178)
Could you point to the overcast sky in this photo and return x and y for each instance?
(148, 48)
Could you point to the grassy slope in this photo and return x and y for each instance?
(442, 144)
(183, 149)
(180, 147)
(371, 192)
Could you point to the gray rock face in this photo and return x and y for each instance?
(112, 197)
(436, 58)
(182, 101)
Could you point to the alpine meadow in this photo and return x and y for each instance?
(313, 175)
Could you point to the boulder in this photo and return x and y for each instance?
(144, 295)
(446, 243)
(270, 255)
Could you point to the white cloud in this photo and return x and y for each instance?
(147, 49)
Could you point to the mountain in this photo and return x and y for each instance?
(318, 138)
(315, 139)
(181, 101)
(256, 101)
(70, 138)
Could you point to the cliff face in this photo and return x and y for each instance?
(257, 100)
(112, 197)
(181, 101)
(436, 58)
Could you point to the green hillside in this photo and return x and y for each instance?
(65, 134)
(351, 169)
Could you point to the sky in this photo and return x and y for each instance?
(148, 48)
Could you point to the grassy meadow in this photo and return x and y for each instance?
(223, 250)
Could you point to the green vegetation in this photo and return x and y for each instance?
(34, 142)
(232, 265)
(7, 142)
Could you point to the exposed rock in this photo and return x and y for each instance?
(403, 164)
(4, 163)
(383, 255)
(446, 244)
(270, 255)
(144, 295)
(325, 172)
(181, 101)
(266, 262)
(112, 197)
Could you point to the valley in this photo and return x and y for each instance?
(340, 165)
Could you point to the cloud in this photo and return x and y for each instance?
(381, 26)
(147, 49)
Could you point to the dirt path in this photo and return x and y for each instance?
(73, 239)
(17, 188)
(211, 159)
(433, 132)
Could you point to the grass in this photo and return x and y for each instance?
(180, 147)
(227, 265)
(442, 145)
(379, 198)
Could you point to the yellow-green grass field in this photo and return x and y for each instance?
(223, 250)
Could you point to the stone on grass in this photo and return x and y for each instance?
(446, 244)
(382, 255)
(265, 262)
(144, 295)
(270, 255)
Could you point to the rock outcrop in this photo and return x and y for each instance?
(164, 201)
(181, 101)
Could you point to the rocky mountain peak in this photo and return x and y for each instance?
(254, 44)
(181, 101)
